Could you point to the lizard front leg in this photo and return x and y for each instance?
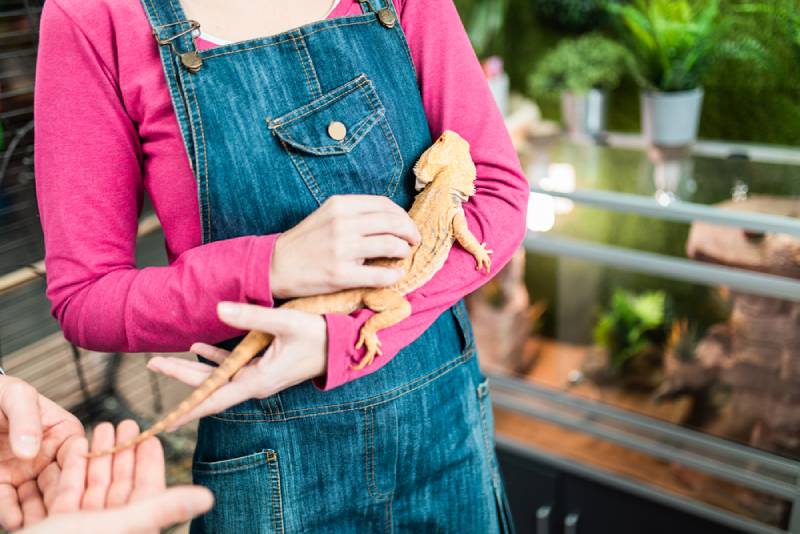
(467, 240)
(391, 307)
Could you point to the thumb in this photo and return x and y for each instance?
(275, 321)
(174, 505)
(19, 403)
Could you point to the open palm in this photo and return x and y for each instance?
(26, 478)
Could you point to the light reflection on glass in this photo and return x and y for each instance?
(542, 208)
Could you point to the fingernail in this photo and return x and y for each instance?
(228, 309)
(27, 445)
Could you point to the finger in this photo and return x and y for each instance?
(19, 402)
(48, 483)
(276, 321)
(209, 352)
(98, 476)
(181, 370)
(347, 205)
(159, 361)
(10, 511)
(30, 500)
(399, 225)
(381, 246)
(149, 478)
(175, 505)
(122, 469)
(72, 481)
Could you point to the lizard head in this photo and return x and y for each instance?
(449, 153)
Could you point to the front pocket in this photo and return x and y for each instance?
(342, 143)
(247, 493)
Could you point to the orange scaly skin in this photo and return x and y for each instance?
(445, 178)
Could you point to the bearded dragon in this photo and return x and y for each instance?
(445, 178)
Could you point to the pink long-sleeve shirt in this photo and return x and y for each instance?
(106, 134)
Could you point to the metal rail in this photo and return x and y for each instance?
(746, 466)
(666, 266)
(678, 210)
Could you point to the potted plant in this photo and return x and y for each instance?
(630, 337)
(673, 44)
(581, 71)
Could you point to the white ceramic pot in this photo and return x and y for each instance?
(584, 114)
(671, 119)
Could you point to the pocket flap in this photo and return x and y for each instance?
(308, 128)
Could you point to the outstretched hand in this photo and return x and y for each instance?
(123, 494)
(297, 354)
(34, 436)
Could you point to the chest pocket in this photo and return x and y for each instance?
(341, 142)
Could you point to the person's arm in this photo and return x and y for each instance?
(89, 182)
(90, 188)
(456, 97)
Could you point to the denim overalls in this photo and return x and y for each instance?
(408, 447)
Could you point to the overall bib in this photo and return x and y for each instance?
(408, 447)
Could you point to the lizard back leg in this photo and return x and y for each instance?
(391, 307)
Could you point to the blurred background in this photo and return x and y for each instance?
(643, 345)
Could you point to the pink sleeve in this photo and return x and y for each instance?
(456, 97)
(90, 189)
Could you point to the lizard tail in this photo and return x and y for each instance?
(246, 350)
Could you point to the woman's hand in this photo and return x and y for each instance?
(297, 354)
(120, 494)
(326, 251)
(34, 437)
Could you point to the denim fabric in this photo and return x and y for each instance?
(409, 447)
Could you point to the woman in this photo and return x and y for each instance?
(269, 159)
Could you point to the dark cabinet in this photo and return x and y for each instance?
(547, 500)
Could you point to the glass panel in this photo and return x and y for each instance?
(718, 360)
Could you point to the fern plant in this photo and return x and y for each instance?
(578, 65)
(785, 14)
(675, 43)
(631, 325)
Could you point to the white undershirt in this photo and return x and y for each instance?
(217, 41)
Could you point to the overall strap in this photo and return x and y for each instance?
(172, 29)
(173, 33)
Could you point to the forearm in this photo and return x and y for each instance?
(164, 308)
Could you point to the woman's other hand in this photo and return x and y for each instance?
(34, 436)
(327, 250)
(297, 354)
(120, 494)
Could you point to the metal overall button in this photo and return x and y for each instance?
(337, 130)
(192, 61)
(386, 17)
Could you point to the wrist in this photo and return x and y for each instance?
(277, 276)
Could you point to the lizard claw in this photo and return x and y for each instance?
(373, 344)
(483, 259)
